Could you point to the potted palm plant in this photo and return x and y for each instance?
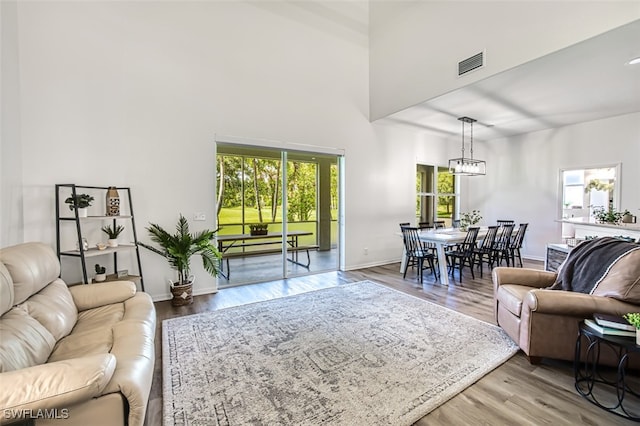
(178, 248)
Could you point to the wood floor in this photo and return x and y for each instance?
(515, 393)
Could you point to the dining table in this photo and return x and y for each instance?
(441, 238)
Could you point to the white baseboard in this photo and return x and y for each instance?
(199, 292)
(371, 265)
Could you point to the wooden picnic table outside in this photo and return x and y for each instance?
(247, 241)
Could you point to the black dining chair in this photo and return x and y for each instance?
(501, 222)
(416, 254)
(427, 245)
(438, 224)
(516, 244)
(455, 223)
(462, 253)
(501, 245)
(484, 252)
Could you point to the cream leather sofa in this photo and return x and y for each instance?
(80, 355)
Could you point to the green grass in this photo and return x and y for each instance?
(230, 220)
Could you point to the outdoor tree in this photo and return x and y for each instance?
(445, 186)
(257, 182)
(301, 192)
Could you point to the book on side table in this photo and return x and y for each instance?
(613, 321)
(608, 331)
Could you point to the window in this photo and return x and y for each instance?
(437, 198)
(583, 189)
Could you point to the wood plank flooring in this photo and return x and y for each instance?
(516, 393)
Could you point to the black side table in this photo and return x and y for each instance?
(589, 375)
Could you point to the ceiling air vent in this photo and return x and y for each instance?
(474, 62)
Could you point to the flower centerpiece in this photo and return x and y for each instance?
(634, 319)
(468, 219)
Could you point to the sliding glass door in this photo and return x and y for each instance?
(292, 209)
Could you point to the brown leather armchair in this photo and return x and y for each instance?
(544, 323)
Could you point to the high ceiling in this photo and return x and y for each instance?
(587, 81)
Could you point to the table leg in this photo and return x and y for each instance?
(442, 264)
(403, 261)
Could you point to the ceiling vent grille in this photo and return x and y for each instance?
(474, 62)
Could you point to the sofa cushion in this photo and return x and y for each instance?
(25, 342)
(6, 289)
(622, 280)
(32, 266)
(53, 307)
(57, 385)
(93, 333)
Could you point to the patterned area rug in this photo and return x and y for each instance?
(358, 354)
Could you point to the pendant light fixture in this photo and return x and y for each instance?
(467, 166)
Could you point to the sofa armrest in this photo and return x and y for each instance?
(100, 294)
(54, 385)
(567, 303)
(522, 276)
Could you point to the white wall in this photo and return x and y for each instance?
(132, 93)
(415, 46)
(11, 218)
(522, 181)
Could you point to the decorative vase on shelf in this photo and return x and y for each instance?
(100, 277)
(112, 242)
(85, 245)
(83, 212)
(113, 201)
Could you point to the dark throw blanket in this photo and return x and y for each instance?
(589, 262)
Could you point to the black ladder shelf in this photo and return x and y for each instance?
(83, 253)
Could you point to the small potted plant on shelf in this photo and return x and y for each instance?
(608, 216)
(634, 320)
(80, 202)
(101, 273)
(468, 219)
(178, 250)
(113, 232)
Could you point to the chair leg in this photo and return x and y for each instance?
(432, 267)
